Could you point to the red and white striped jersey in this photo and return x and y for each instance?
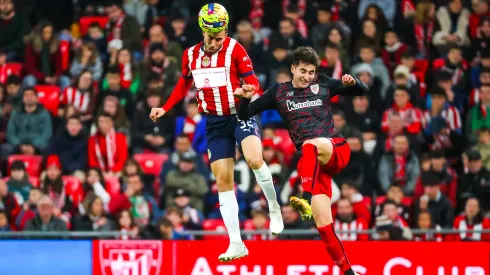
(72, 96)
(357, 224)
(217, 75)
(460, 223)
(475, 96)
(450, 114)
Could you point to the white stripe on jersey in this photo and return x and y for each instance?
(69, 95)
(190, 55)
(217, 98)
(229, 89)
(200, 92)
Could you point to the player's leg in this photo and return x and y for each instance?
(221, 151)
(315, 153)
(252, 151)
(322, 214)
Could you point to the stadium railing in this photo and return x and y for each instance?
(198, 233)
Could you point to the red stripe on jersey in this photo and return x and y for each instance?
(235, 61)
(72, 96)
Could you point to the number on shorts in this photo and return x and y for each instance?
(246, 124)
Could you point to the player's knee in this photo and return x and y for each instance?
(255, 162)
(224, 183)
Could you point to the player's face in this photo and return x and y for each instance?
(213, 42)
(303, 74)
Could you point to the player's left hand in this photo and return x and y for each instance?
(348, 80)
(248, 91)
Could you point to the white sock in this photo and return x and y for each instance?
(264, 179)
(229, 212)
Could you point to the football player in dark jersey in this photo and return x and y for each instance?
(304, 105)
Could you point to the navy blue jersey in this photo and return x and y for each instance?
(306, 112)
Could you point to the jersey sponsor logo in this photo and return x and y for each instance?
(209, 77)
(290, 93)
(315, 88)
(300, 105)
(132, 258)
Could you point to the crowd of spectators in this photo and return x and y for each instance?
(79, 152)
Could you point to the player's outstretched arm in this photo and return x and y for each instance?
(346, 86)
(248, 109)
(178, 93)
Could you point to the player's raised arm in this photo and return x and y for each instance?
(346, 86)
(248, 109)
(179, 92)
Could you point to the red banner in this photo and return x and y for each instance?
(289, 258)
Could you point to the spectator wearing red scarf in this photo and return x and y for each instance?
(123, 27)
(411, 115)
(400, 166)
(194, 126)
(393, 50)
(107, 149)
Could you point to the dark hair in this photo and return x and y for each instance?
(333, 46)
(13, 79)
(402, 88)
(113, 70)
(75, 116)
(105, 114)
(287, 19)
(438, 91)
(192, 101)
(94, 25)
(409, 53)
(306, 55)
(292, 8)
(182, 136)
(164, 222)
(32, 89)
(437, 154)
(367, 46)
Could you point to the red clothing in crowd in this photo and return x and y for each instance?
(33, 63)
(357, 224)
(108, 156)
(461, 223)
(410, 114)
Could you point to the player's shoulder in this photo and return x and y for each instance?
(193, 48)
(237, 47)
(323, 79)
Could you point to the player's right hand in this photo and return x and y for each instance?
(156, 113)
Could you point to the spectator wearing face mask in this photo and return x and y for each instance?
(359, 169)
(367, 121)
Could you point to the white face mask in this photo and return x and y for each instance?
(369, 146)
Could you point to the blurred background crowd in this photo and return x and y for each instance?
(79, 152)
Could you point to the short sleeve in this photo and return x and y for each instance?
(242, 61)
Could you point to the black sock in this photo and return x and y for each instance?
(307, 196)
(350, 272)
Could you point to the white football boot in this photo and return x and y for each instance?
(235, 251)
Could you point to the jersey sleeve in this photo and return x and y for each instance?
(244, 66)
(186, 70)
(183, 85)
(267, 101)
(338, 88)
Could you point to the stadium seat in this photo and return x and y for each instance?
(112, 185)
(85, 22)
(214, 225)
(49, 97)
(249, 225)
(33, 180)
(73, 188)
(14, 68)
(151, 163)
(32, 164)
(286, 146)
